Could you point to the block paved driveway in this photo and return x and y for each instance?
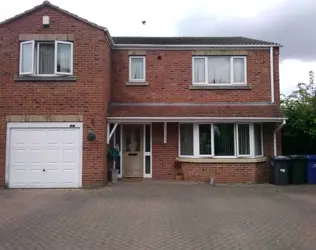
(160, 215)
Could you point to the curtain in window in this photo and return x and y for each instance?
(224, 139)
(219, 69)
(27, 56)
(239, 69)
(258, 139)
(205, 139)
(199, 70)
(137, 69)
(63, 58)
(46, 58)
(243, 139)
(186, 139)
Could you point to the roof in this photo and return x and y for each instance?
(157, 41)
(48, 4)
(234, 40)
(267, 111)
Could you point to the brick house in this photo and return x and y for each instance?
(69, 91)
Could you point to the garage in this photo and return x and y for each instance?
(44, 155)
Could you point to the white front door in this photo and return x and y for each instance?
(44, 155)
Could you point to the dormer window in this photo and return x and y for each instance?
(46, 58)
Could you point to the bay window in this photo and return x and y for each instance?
(219, 70)
(46, 58)
(220, 140)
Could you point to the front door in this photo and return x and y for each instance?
(132, 150)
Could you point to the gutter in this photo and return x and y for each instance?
(193, 119)
(195, 46)
(274, 137)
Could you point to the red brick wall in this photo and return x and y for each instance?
(169, 79)
(164, 156)
(88, 96)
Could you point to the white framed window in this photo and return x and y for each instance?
(137, 69)
(219, 70)
(27, 57)
(220, 140)
(243, 138)
(258, 142)
(46, 58)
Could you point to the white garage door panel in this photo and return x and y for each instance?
(45, 157)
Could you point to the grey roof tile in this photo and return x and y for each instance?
(236, 40)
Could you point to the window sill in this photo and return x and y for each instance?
(45, 78)
(222, 160)
(234, 87)
(137, 83)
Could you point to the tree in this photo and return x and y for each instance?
(299, 134)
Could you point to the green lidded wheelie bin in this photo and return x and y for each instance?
(298, 169)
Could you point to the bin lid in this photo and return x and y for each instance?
(281, 158)
(298, 157)
(311, 157)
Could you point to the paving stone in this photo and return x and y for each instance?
(160, 215)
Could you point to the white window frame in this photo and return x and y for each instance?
(196, 141)
(71, 58)
(237, 139)
(262, 149)
(205, 70)
(37, 58)
(21, 48)
(35, 64)
(130, 68)
(231, 71)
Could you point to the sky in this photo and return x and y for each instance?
(289, 22)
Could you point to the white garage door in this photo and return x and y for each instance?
(44, 155)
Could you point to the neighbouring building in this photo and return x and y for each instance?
(69, 91)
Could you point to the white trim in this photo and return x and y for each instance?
(109, 135)
(245, 70)
(147, 153)
(198, 140)
(237, 140)
(196, 148)
(272, 74)
(205, 70)
(206, 46)
(11, 125)
(37, 58)
(261, 134)
(142, 119)
(21, 48)
(71, 58)
(121, 153)
(130, 68)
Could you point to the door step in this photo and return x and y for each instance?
(132, 179)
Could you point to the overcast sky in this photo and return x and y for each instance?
(289, 22)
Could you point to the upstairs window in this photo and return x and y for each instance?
(137, 68)
(46, 58)
(219, 70)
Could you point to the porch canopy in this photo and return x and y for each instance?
(120, 113)
(140, 113)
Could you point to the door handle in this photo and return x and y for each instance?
(132, 154)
